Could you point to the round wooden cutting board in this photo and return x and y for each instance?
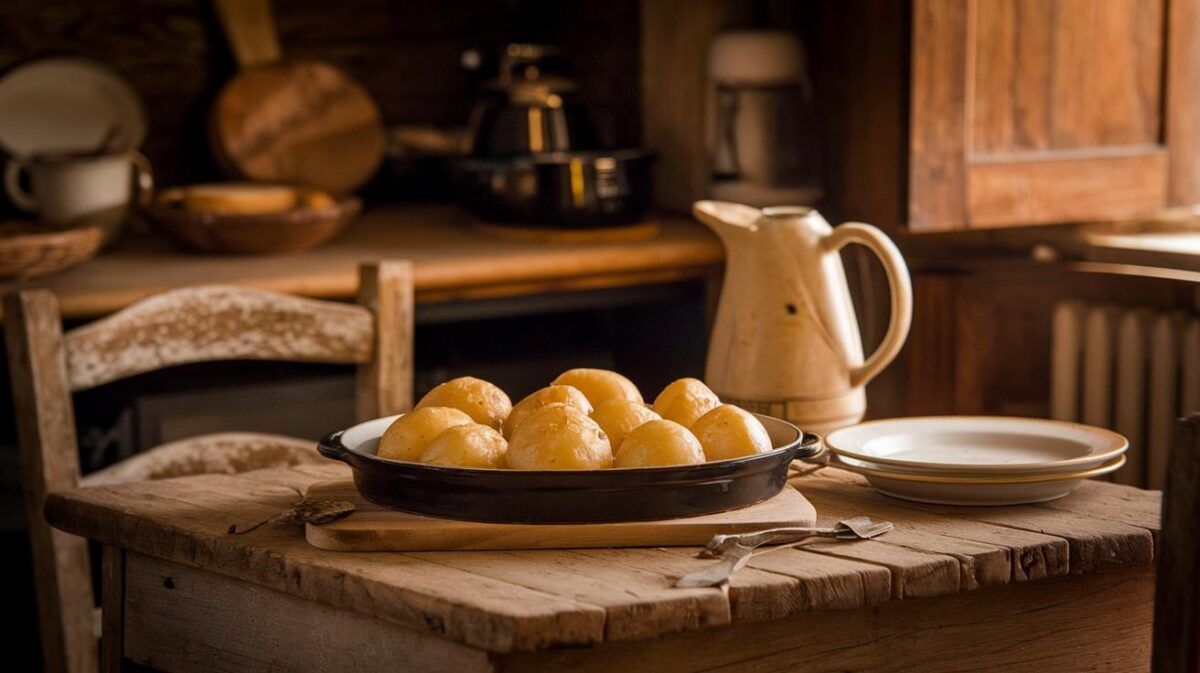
(304, 123)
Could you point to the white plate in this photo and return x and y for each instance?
(978, 444)
(56, 105)
(949, 489)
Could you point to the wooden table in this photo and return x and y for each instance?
(452, 259)
(1064, 586)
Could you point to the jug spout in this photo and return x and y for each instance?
(727, 220)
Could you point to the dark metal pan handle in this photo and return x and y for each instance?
(811, 449)
(331, 446)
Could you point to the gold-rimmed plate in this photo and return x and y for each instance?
(974, 489)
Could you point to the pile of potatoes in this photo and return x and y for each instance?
(586, 419)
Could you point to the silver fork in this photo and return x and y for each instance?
(858, 528)
(735, 550)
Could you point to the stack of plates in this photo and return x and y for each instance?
(976, 460)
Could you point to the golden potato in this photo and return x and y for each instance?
(684, 401)
(599, 385)
(659, 443)
(619, 417)
(559, 437)
(567, 395)
(731, 432)
(482, 401)
(471, 445)
(408, 436)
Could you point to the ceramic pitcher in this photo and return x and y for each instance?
(785, 341)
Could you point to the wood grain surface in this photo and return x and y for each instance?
(1095, 623)
(507, 601)
(375, 528)
(49, 462)
(451, 261)
(1177, 597)
(201, 324)
(1044, 112)
(303, 123)
(1038, 76)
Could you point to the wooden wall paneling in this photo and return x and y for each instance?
(932, 351)
(1183, 101)
(937, 145)
(49, 462)
(676, 35)
(859, 62)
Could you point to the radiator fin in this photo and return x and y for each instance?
(1129, 369)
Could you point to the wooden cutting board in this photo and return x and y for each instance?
(374, 528)
(304, 122)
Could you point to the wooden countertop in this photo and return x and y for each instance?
(509, 601)
(452, 260)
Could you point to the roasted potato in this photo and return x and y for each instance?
(659, 443)
(471, 445)
(559, 437)
(568, 395)
(731, 432)
(479, 399)
(599, 385)
(408, 436)
(619, 417)
(684, 401)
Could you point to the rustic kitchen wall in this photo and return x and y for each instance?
(406, 53)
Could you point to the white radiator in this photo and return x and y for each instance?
(1129, 369)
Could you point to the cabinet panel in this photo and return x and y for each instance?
(1045, 111)
(1065, 188)
(1065, 74)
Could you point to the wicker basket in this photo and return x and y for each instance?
(27, 250)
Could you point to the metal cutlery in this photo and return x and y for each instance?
(735, 550)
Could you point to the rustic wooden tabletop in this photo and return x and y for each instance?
(1022, 588)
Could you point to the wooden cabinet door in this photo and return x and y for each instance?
(1043, 111)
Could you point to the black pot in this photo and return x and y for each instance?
(508, 129)
(559, 189)
(583, 496)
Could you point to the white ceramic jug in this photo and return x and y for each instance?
(786, 341)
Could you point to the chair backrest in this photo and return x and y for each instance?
(180, 326)
(1177, 594)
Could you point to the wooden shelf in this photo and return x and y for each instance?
(453, 261)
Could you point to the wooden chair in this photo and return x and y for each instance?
(1177, 594)
(180, 326)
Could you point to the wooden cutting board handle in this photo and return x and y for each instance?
(250, 28)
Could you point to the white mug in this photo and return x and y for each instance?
(77, 189)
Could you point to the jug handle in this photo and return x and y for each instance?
(901, 294)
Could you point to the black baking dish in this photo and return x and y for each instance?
(584, 496)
